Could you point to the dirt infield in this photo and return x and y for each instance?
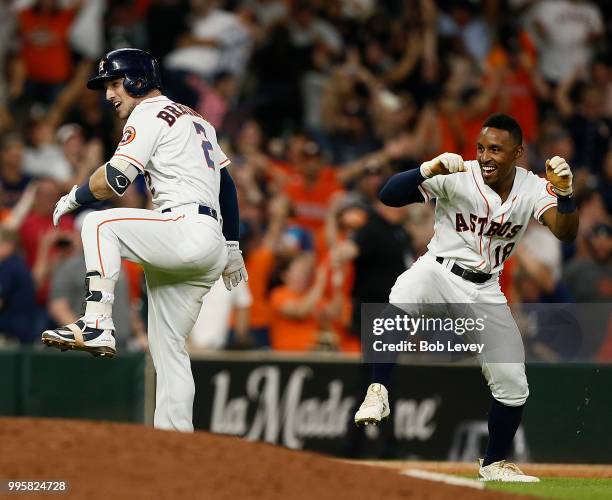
(541, 470)
(108, 460)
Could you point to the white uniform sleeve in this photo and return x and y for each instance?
(434, 187)
(216, 154)
(445, 186)
(141, 136)
(545, 199)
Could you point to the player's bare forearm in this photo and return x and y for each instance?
(98, 185)
(563, 226)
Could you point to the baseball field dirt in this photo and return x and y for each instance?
(121, 461)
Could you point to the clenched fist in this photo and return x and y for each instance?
(559, 174)
(445, 164)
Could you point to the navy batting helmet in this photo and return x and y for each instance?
(138, 68)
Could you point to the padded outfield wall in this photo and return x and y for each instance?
(439, 412)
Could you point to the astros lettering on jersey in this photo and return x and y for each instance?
(473, 226)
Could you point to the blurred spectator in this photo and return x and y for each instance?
(590, 280)
(66, 297)
(12, 218)
(87, 30)
(511, 68)
(538, 267)
(296, 305)
(469, 32)
(45, 245)
(553, 141)
(7, 32)
(43, 157)
(307, 29)
(214, 100)
(18, 315)
(125, 23)
(381, 250)
(592, 211)
(565, 31)
(590, 127)
(12, 175)
(345, 110)
(590, 277)
(218, 41)
(83, 157)
(166, 20)
(605, 183)
(45, 64)
(310, 187)
(213, 330)
(261, 260)
(96, 120)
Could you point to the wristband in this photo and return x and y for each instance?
(566, 204)
(83, 195)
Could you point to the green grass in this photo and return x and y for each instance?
(574, 488)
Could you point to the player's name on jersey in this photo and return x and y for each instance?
(175, 110)
(426, 346)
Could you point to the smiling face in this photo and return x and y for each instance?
(497, 153)
(116, 94)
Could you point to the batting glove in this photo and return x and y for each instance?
(559, 174)
(450, 162)
(234, 271)
(66, 204)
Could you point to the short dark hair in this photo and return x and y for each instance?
(505, 122)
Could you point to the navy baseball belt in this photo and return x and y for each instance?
(467, 274)
(202, 209)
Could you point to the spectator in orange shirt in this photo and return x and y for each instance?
(513, 61)
(44, 65)
(260, 262)
(297, 304)
(311, 188)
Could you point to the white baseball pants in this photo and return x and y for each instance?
(429, 282)
(183, 254)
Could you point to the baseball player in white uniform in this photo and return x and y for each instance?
(482, 210)
(182, 244)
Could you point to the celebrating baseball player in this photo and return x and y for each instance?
(482, 210)
(182, 244)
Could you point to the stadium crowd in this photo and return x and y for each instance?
(317, 103)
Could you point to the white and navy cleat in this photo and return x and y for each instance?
(77, 336)
(375, 406)
(505, 472)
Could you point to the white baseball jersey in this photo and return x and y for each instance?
(473, 226)
(177, 151)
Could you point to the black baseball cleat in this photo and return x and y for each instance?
(78, 337)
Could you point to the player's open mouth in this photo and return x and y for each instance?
(116, 104)
(488, 171)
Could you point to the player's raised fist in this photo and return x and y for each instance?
(559, 174)
(445, 164)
